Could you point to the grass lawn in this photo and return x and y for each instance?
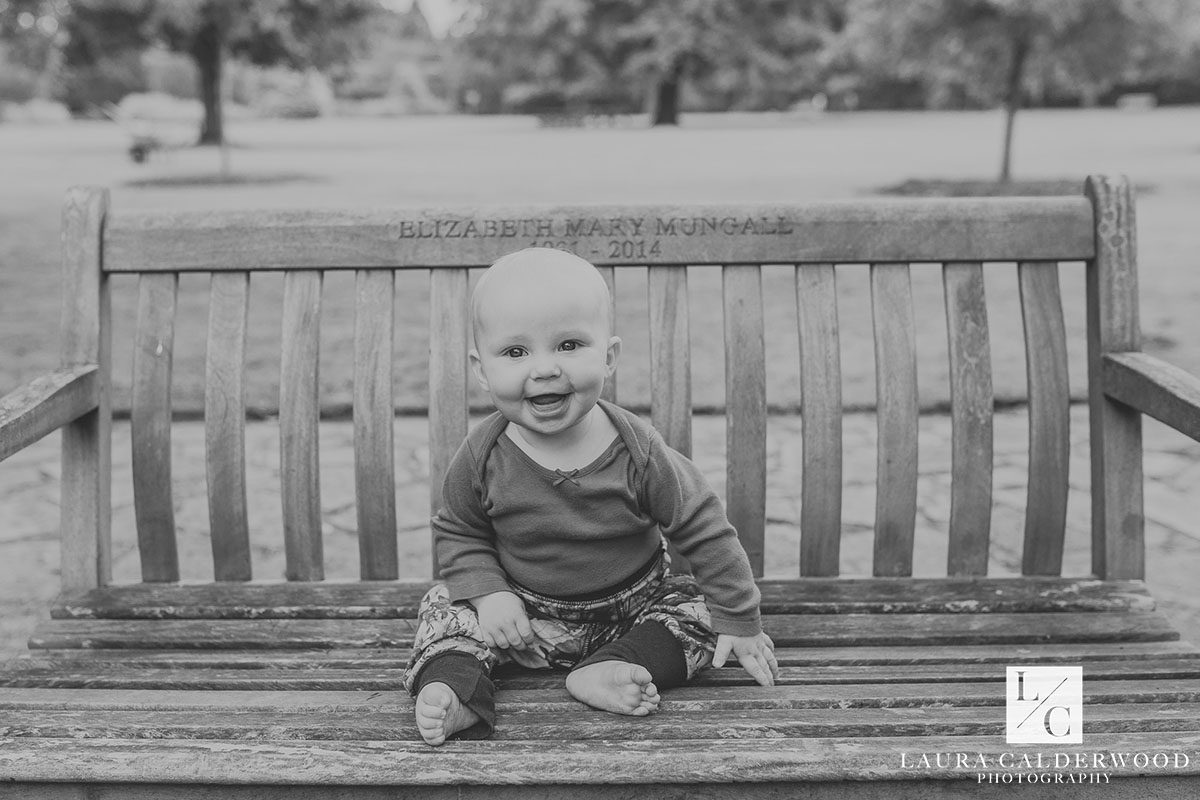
(470, 161)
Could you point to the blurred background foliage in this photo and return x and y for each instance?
(596, 57)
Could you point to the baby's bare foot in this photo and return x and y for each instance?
(440, 713)
(616, 686)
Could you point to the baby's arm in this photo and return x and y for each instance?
(503, 620)
(756, 654)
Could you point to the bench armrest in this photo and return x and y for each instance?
(45, 404)
(1155, 387)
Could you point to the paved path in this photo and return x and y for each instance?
(29, 507)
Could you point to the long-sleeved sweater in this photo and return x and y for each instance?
(574, 533)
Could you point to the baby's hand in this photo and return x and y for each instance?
(503, 620)
(755, 653)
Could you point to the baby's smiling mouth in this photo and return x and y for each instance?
(546, 399)
(547, 403)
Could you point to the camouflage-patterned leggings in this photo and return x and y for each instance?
(566, 632)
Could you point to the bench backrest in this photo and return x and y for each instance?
(966, 237)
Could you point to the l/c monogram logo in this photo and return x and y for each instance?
(1044, 704)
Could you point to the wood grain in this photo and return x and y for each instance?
(1154, 387)
(399, 600)
(1118, 521)
(586, 725)
(299, 410)
(374, 448)
(1049, 418)
(821, 411)
(907, 230)
(225, 425)
(787, 630)
(609, 392)
(449, 322)
(896, 393)
(46, 404)
(745, 409)
(532, 762)
(670, 357)
(86, 338)
(935, 661)
(150, 426)
(971, 400)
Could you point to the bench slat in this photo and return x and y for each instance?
(539, 762)
(926, 229)
(897, 414)
(225, 425)
(374, 448)
(745, 409)
(351, 658)
(971, 419)
(821, 410)
(150, 426)
(371, 599)
(53, 674)
(581, 725)
(786, 629)
(1049, 417)
(670, 357)
(609, 392)
(556, 699)
(449, 323)
(299, 410)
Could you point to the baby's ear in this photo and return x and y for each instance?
(614, 353)
(477, 368)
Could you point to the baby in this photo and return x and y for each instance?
(555, 514)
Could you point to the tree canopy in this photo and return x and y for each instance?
(298, 33)
(631, 54)
(983, 52)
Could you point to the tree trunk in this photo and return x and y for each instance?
(1012, 101)
(206, 52)
(665, 110)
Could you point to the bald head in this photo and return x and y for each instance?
(537, 276)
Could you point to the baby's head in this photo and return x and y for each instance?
(544, 346)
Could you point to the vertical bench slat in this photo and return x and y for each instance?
(86, 323)
(745, 408)
(1049, 418)
(374, 409)
(448, 344)
(299, 411)
(821, 420)
(670, 357)
(225, 425)
(609, 392)
(896, 397)
(972, 404)
(150, 426)
(1118, 549)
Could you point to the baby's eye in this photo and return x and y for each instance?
(514, 352)
(569, 345)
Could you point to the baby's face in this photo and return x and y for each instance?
(543, 343)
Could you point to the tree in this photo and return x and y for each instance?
(1001, 50)
(297, 33)
(641, 52)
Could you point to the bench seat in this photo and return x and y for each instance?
(302, 681)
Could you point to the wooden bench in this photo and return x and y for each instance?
(292, 689)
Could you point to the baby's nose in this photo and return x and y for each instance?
(545, 367)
